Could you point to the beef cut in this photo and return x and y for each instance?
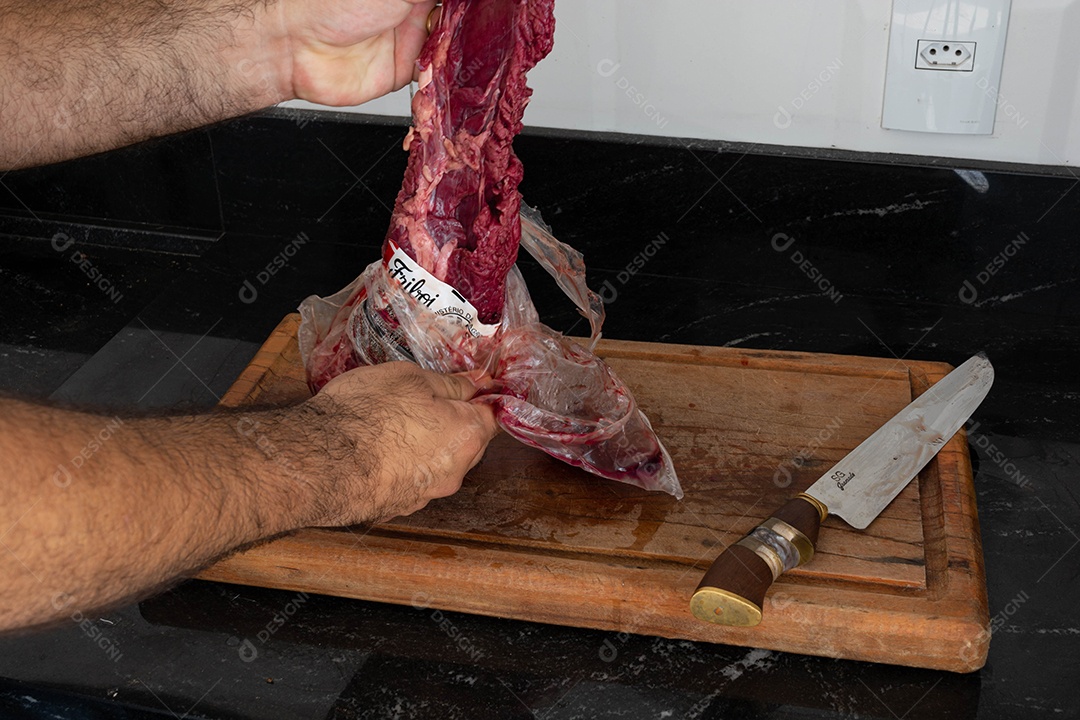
(457, 212)
(447, 294)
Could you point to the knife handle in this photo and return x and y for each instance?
(732, 592)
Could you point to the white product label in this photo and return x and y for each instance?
(432, 293)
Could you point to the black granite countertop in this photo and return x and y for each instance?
(123, 281)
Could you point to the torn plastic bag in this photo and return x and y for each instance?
(548, 392)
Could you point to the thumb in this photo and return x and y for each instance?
(452, 387)
(482, 416)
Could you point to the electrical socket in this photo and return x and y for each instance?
(944, 55)
(962, 96)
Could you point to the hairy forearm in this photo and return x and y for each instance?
(81, 77)
(100, 509)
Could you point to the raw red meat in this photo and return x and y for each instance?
(447, 294)
(457, 212)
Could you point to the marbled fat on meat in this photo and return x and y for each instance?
(457, 212)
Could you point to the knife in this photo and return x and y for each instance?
(857, 489)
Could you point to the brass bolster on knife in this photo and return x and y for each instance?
(822, 510)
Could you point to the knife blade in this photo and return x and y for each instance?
(857, 489)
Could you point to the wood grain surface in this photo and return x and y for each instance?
(531, 538)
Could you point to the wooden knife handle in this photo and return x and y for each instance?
(732, 592)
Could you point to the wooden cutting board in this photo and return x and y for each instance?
(531, 538)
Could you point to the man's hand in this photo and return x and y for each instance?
(79, 78)
(100, 510)
(404, 436)
(346, 52)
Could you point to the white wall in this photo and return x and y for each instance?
(787, 72)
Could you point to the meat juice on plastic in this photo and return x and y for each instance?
(447, 294)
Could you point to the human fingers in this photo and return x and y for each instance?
(410, 37)
(482, 417)
(457, 386)
(433, 18)
(457, 447)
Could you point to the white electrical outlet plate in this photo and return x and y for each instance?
(947, 55)
(944, 66)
